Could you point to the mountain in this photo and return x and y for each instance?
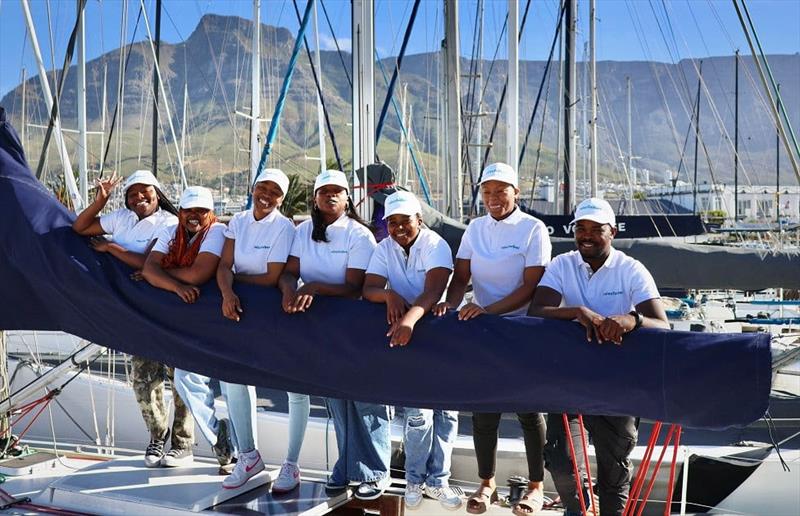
(214, 65)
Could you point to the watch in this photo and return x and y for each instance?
(639, 318)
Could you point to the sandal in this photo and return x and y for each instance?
(479, 501)
(530, 503)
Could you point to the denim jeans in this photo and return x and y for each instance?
(195, 391)
(363, 439)
(242, 413)
(428, 440)
(299, 408)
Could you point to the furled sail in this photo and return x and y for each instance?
(52, 280)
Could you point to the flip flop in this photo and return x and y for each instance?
(530, 503)
(479, 501)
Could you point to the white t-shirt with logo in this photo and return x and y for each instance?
(213, 242)
(259, 242)
(614, 289)
(500, 250)
(406, 273)
(132, 234)
(349, 246)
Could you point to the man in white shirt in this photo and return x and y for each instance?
(611, 295)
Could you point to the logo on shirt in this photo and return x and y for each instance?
(510, 246)
(613, 293)
(338, 251)
(261, 246)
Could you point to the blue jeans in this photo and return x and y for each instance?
(363, 439)
(242, 413)
(195, 391)
(428, 440)
(299, 408)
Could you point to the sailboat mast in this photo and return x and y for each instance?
(479, 89)
(512, 107)
(82, 141)
(736, 141)
(778, 162)
(593, 100)
(363, 93)
(696, 137)
(320, 111)
(24, 123)
(629, 157)
(569, 107)
(255, 92)
(156, 88)
(452, 125)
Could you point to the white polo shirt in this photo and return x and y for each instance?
(614, 289)
(500, 250)
(259, 242)
(131, 233)
(406, 272)
(349, 246)
(213, 242)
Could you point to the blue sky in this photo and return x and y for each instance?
(627, 29)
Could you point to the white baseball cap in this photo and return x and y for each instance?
(596, 210)
(331, 177)
(500, 172)
(141, 177)
(275, 175)
(401, 203)
(197, 197)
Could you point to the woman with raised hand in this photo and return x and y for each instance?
(416, 263)
(329, 255)
(133, 231)
(504, 253)
(257, 244)
(185, 257)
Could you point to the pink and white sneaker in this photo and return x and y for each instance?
(288, 478)
(248, 466)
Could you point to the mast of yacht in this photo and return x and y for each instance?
(363, 93)
(24, 123)
(255, 92)
(452, 110)
(736, 140)
(696, 136)
(512, 107)
(569, 108)
(479, 89)
(183, 119)
(629, 157)
(156, 75)
(83, 174)
(778, 163)
(320, 111)
(69, 179)
(593, 100)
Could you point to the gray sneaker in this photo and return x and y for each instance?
(223, 449)
(177, 458)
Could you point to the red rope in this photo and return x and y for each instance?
(33, 420)
(671, 481)
(655, 471)
(643, 466)
(574, 463)
(371, 189)
(585, 444)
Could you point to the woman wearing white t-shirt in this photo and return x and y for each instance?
(257, 244)
(329, 255)
(183, 258)
(133, 230)
(505, 253)
(416, 263)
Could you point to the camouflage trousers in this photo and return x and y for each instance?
(148, 386)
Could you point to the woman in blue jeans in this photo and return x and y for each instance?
(416, 263)
(257, 244)
(329, 256)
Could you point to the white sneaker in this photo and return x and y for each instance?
(248, 466)
(288, 478)
(413, 495)
(446, 496)
(177, 458)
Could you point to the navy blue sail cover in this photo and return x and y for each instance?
(51, 280)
